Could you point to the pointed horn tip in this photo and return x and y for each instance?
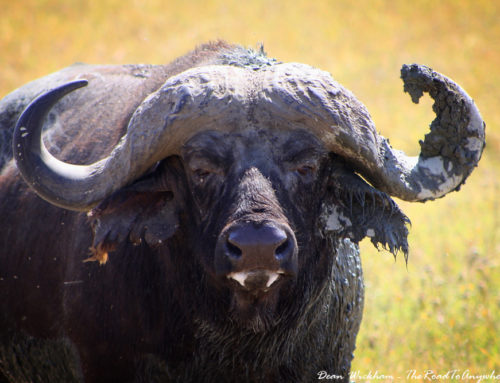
(39, 104)
(80, 82)
(70, 87)
(64, 89)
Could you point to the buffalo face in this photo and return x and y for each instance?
(254, 207)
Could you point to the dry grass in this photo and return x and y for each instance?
(440, 313)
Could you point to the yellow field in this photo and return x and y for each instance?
(442, 312)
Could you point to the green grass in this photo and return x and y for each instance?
(442, 311)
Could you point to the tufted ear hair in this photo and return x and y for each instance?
(354, 209)
(144, 211)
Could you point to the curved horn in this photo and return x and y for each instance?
(57, 182)
(449, 152)
(310, 97)
(73, 187)
(158, 128)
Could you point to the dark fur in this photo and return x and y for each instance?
(156, 311)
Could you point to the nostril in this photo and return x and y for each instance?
(281, 250)
(233, 250)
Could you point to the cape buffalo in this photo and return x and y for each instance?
(221, 198)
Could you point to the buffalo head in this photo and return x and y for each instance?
(257, 166)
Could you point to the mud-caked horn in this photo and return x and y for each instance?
(304, 97)
(449, 152)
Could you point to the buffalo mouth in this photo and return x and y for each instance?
(255, 295)
(255, 281)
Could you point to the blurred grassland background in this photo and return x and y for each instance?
(442, 311)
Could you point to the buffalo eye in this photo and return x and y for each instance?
(201, 175)
(306, 170)
(303, 161)
(202, 167)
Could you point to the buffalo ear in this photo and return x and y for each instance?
(146, 210)
(356, 210)
(132, 216)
